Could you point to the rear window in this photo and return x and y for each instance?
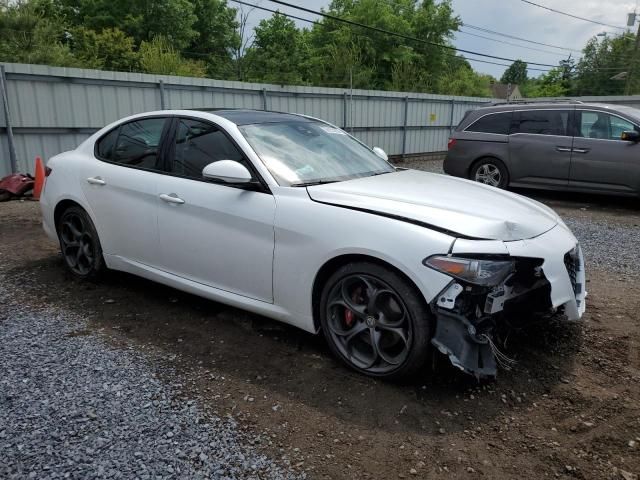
(497, 123)
(542, 122)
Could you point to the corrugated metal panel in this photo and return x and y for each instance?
(53, 109)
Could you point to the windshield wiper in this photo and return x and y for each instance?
(311, 183)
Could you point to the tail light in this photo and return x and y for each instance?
(451, 143)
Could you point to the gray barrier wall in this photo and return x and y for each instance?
(52, 109)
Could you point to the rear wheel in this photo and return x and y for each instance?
(80, 244)
(375, 321)
(490, 171)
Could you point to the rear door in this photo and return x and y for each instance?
(600, 160)
(540, 147)
(120, 186)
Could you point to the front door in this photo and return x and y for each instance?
(600, 160)
(211, 233)
(120, 187)
(540, 147)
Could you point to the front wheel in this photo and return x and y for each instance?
(79, 244)
(375, 321)
(490, 171)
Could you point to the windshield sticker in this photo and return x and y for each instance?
(335, 131)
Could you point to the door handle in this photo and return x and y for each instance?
(96, 181)
(563, 149)
(581, 150)
(171, 198)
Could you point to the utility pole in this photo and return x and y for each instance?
(628, 85)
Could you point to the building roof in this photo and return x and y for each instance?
(501, 90)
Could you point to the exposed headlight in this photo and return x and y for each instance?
(484, 272)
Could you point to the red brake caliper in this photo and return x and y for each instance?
(348, 314)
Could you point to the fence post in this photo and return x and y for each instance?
(404, 126)
(13, 162)
(162, 103)
(344, 111)
(264, 99)
(453, 107)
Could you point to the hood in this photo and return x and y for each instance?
(461, 207)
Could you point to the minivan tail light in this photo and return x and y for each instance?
(451, 143)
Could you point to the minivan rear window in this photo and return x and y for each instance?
(497, 123)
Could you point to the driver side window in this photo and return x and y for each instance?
(197, 145)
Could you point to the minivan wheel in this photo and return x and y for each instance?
(490, 171)
(80, 244)
(375, 321)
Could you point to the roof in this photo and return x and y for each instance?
(248, 117)
(501, 90)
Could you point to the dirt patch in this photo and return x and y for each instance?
(568, 409)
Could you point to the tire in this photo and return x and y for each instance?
(490, 171)
(387, 308)
(80, 245)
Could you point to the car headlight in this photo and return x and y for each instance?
(483, 272)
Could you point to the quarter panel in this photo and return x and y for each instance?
(309, 234)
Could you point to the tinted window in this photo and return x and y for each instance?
(106, 144)
(543, 122)
(492, 123)
(602, 125)
(197, 145)
(138, 143)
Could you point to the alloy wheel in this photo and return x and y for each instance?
(77, 244)
(369, 323)
(489, 174)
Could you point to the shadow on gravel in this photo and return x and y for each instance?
(292, 364)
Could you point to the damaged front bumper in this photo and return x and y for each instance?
(549, 277)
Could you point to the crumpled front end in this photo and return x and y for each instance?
(548, 277)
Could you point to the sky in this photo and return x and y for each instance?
(512, 17)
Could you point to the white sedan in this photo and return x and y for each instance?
(292, 218)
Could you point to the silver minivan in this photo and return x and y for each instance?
(566, 145)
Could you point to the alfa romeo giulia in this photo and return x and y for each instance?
(292, 218)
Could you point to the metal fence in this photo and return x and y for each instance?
(47, 110)
(53, 109)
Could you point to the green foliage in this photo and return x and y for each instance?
(516, 74)
(279, 52)
(460, 79)
(551, 84)
(158, 56)
(31, 32)
(110, 49)
(602, 60)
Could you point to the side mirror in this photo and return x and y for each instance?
(630, 136)
(381, 153)
(227, 171)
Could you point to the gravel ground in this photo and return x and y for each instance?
(72, 406)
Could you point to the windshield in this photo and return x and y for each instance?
(302, 153)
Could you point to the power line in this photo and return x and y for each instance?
(486, 30)
(241, 2)
(399, 35)
(571, 15)
(509, 43)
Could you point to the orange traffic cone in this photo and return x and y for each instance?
(37, 187)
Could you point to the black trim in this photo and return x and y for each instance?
(402, 219)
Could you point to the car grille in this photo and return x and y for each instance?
(572, 263)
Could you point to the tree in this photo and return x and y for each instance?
(279, 52)
(600, 63)
(140, 19)
(110, 49)
(217, 39)
(551, 84)
(32, 32)
(158, 56)
(516, 74)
